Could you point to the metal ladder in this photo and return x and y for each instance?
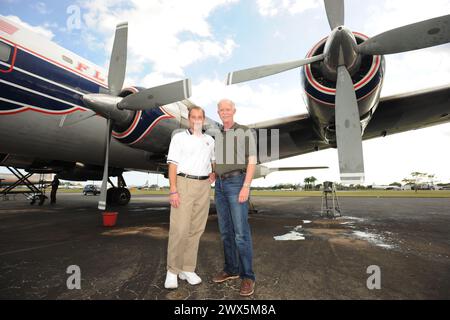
(330, 203)
(33, 193)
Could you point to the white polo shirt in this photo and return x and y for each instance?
(192, 154)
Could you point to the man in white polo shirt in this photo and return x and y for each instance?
(190, 158)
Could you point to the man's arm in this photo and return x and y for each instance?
(250, 172)
(251, 168)
(212, 175)
(174, 196)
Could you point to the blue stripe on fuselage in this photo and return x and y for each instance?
(39, 85)
(146, 120)
(32, 99)
(46, 70)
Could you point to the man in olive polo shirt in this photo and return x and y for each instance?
(235, 165)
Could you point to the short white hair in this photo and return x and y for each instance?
(228, 101)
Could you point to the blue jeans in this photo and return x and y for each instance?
(234, 227)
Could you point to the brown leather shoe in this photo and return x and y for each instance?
(222, 276)
(247, 287)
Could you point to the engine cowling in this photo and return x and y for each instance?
(320, 89)
(150, 130)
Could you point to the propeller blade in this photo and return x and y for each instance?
(102, 200)
(348, 130)
(118, 62)
(335, 13)
(415, 36)
(74, 118)
(157, 96)
(268, 70)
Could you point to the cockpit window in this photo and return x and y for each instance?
(5, 52)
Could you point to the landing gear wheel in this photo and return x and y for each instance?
(121, 196)
(118, 196)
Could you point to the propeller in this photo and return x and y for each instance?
(118, 61)
(157, 96)
(104, 188)
(116, 77)
(348, 130)
(335, 13)
(118, 110)
(268, 70)
(414, 36)
(340, 57)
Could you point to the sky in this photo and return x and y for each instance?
(205, 39)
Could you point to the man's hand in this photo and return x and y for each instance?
(243, 195)
(174, 200)
(212, 177)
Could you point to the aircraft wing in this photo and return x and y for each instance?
(394, 114)
(410, 111)
(296, 134)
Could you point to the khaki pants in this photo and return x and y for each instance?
(187, 224)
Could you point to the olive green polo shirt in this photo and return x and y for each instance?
(233, 147)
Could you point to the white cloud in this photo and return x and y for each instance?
(254, 102)
(171, 35)
(411, 70)
(155, 79)
(417, 70)
(42, 30)
(41, 8)
(267, 8)
(390, 14)
(272, 8)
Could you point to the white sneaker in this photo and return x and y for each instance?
(171, 281)
(191, 277)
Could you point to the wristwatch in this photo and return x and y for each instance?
(247, 185)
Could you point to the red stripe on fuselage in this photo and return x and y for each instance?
(40, 111)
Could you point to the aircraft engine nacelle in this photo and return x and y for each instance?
(149, 130)
(320, 89)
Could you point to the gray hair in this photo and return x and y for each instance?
(228, 101)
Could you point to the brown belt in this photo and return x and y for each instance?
(230, 174)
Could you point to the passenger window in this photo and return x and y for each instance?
(5, 52)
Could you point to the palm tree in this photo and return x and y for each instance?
(313, 181)
(307, 182)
